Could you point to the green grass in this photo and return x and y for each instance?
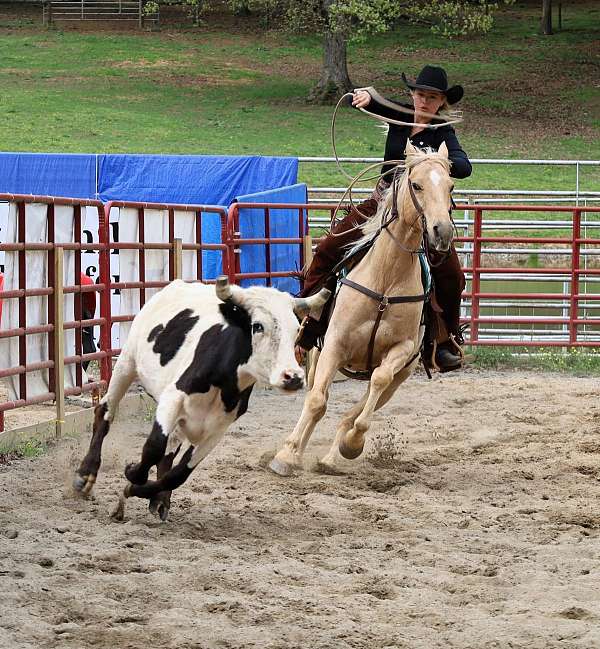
(237, 91)
(579, 362)
(29, 449)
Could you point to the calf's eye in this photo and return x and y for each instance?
(257, 328)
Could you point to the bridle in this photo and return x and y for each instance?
(394, 215)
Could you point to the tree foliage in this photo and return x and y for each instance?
(356, 19)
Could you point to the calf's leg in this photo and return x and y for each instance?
(167, 413)
(104, 413)
(161, 503)
(172, 479)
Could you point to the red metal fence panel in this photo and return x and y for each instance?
(142, 284)
(25, 291)
(476, 241)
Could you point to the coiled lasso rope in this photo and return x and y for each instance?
(454, 117)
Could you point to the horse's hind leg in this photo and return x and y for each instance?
(330, 462)
(104, 413)
(315, 405)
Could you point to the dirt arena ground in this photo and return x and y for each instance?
(472, 521)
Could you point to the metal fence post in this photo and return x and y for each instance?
(177, 259)
(59, 340)
(476, 278)
(105, 295)
(575, 267)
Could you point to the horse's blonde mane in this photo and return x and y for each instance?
(371, 226)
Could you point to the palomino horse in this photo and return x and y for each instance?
(377, 319)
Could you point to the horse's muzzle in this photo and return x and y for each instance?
(442, 236)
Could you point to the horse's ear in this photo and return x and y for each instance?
(443, 150)
(409, 148)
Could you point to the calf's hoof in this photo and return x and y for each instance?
(84, 483)
(160, 509)
(349, 452)
(118, 513)
(281, 468)
(136, 474)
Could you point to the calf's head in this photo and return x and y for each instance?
(273, 329)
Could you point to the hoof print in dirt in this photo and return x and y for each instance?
(327, 469)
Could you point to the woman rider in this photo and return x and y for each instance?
(430, 95)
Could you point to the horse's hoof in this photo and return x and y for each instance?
(281, 468)
(348, 452)
(79, 482)
(159, 509)
(84, 484)
(135, 475)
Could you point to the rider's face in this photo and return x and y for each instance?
(427, 101)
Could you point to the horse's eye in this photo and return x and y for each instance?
(257, 328)
(417, 187)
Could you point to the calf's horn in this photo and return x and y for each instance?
(303, 305)
(222, 288)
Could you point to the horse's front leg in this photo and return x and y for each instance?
(315, 405)
(352, 442)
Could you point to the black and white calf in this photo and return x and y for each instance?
(198, 350)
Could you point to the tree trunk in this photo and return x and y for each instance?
(334, 81)
(546, 25)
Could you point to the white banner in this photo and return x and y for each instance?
(124, 267)
(156, 230)
(36, 307)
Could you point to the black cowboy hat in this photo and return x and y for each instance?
(433, 78)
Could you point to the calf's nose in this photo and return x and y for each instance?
(292, 380)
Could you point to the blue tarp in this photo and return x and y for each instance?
(212, 260)
(48, 174)
(283, 224)
(209, 180)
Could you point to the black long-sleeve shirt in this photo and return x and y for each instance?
(428, 137)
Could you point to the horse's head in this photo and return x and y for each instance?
(429, 193)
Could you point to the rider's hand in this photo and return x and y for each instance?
(361, 98)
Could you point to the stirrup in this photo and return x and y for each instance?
(459, 349)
